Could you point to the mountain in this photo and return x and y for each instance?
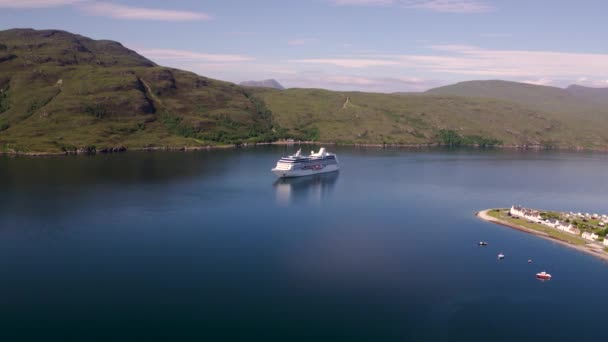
(64, 92)
(574, 102)
(270, 83)
(549, 99)
(595, 95)
(581, 111)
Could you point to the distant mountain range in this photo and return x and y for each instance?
(270, 83)
(62, 92)
(572, 99)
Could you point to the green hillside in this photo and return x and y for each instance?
(61, 92)
(417, 119)
(64, 92)
(582, 111)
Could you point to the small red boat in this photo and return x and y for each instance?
(543, 275)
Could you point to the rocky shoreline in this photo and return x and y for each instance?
(120, 149)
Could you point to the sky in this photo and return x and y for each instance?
(367, 45)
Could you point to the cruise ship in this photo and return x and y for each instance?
(298, 165)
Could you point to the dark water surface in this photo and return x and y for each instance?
(208, 246)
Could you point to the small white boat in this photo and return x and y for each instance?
(482, 243)
(543, 275)
(501, 256)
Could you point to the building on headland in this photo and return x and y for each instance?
(534, 216)
(568, 228)
(590, 236)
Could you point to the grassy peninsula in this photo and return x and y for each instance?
(595, 246)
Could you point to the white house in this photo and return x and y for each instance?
(553, 223)
(606, 241)
(568, 228)
(590, 236)
(519, 211)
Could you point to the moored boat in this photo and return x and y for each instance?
(482, 243)
(543, 275)
(501, 256)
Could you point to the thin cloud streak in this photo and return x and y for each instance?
(111, 10)
(470, 60)
(191, 57)
(348, 63)
(450, 6)
(20, 4)
(446, 6)
(140, 13)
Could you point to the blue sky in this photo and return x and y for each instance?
(370, 45)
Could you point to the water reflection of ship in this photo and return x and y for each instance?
(313, 188)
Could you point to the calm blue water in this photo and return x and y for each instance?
(208, 246)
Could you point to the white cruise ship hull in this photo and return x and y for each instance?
(300, 173)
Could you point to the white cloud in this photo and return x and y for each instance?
(471, 60)
(191, 56)
(540, 81)
(584, 81)
(347, 62)
(449, 6)
(525, 63)
(109, 9)
(117, 11)
(36, 3)
(371, 71)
